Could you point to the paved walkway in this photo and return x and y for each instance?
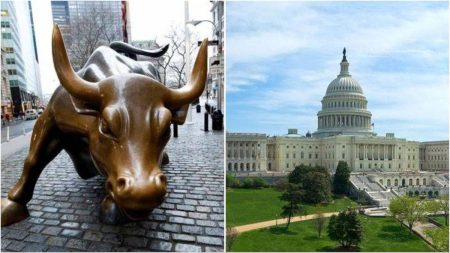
(64, 209)
(270, 223)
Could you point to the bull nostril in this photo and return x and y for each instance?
(122, 183)
(109, 186)
(162, 178)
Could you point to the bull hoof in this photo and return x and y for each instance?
(13, 212)
(165, 159)
(110, 212)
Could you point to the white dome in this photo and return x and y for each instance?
(344, 83)
(344, 107)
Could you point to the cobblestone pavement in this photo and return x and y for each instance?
(64, 209)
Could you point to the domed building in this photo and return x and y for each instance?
(344, 107)
(382, 166)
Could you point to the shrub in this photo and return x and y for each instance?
(281, 184)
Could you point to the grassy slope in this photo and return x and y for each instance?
(439, 219)
(380, 234)
(245, 206)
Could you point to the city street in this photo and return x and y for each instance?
(64, 209)
(16, 128)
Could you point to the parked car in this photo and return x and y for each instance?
(31, 114)
(40, 111)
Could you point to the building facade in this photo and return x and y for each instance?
(382, 166)
(216, 68)
(434, 156)
(21, 61)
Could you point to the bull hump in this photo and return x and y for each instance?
(105, 62)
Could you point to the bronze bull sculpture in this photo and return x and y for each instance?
(113, 118)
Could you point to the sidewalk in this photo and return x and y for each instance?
(15, 145)
(270, 223)
(64, 208)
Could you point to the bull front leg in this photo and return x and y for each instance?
(45, 145)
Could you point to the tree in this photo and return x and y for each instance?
(443, 204)
(345, 228)
(93, 28)
(174, 63)
(314, 181)
(407, 209)
(341, 178)
(319, 223)
(232, 235)
(281, 184)
(292, 196)
(440, 238)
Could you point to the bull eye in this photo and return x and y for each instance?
(104, 128)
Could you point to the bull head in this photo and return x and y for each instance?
(131, 127)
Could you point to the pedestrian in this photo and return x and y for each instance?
(7, 117)
(3, 120)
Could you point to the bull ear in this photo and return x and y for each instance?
(179, 115)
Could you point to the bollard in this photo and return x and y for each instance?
(199, 108)
(206, 122)
(7, 133)
(175, 130)
(23, 129)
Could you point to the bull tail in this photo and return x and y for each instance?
(131, 51)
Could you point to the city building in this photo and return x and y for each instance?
(345, 133)
(6, 92)
(20, 55)
(68, 13)
(216, 68)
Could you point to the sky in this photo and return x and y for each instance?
(150, 19)
(282, 56)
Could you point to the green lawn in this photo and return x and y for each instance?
(245, 206)
(439, 219)
(380, 234)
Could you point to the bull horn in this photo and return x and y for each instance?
(122, 47)
(196, 84)
(75, 85)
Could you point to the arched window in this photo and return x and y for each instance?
(248, 166)
(229, 166)
(388, 182)
(410, 181)
(424, 181)
(417, 181)
(254, 166)
(270, 166)
(381, 181)
(242, 167)
(396, 182)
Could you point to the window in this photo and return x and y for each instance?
(287, 155)
(396, 182)
(10, 61)
(309, 156)
(417, 181)
(6, 36)
(287, 165)
(12, 72)
(343, 155)
(360, 165)
(5, 24)
(317, 156)
(424, 182)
